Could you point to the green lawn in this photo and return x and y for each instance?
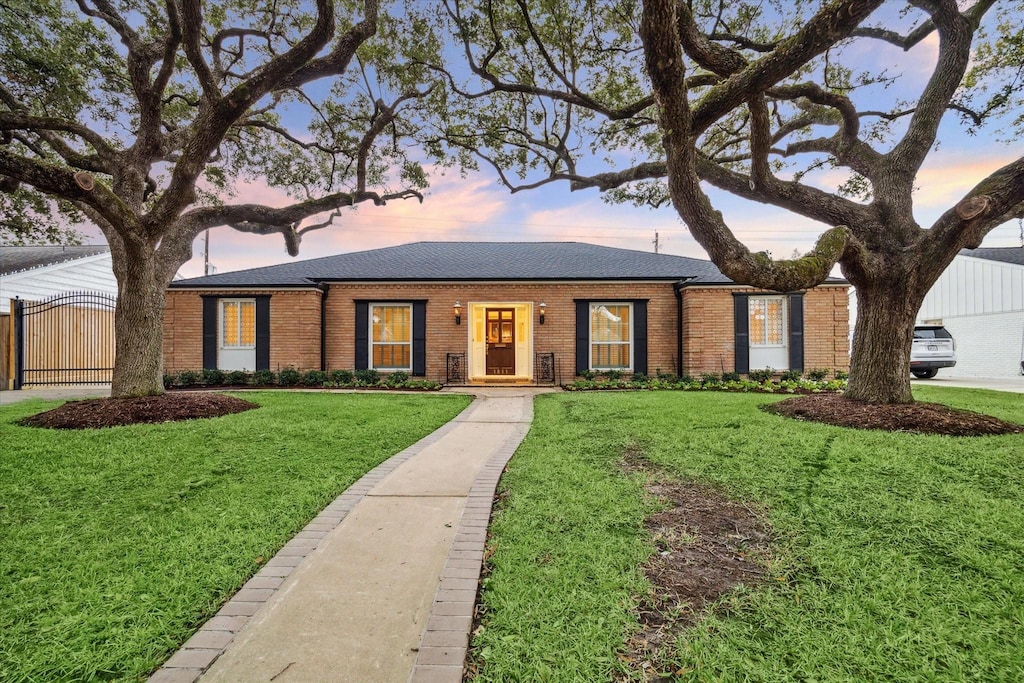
(116, 544)
(898, 557)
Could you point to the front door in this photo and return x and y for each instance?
(501, 341)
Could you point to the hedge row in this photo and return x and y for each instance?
(290, 377)
(763, 381)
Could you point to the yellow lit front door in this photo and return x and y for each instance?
(501, 341)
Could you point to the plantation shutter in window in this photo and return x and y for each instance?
(796, 332)
(741, 322)
(210, 304)
(362, 335)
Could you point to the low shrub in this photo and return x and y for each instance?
(730, 377)
(667, 377)
(791, 376)
(169, 381)
(188, 378)
(264, 378)
(342, 377)
(236, 378)
(314, 378)
(367, 377)
(817, 374)
(612, 374)
(710, 378)
(588, 375)
(841, 375)
(213, 377)
(396, 379)
(423, 385)
(640, 378)
(761, 375)
(289, 377)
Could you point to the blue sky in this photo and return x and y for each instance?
(477, 207)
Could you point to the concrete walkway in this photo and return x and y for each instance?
(63, 393)
(381, 586)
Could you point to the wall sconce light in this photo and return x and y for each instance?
(458, 313)
(543, 310)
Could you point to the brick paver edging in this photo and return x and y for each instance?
(212, 639)
(445, 642)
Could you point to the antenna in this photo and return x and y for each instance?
(656, 241)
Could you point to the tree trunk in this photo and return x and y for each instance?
(138, 324)
(880, 364)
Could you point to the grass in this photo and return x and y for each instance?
(899, 557)
(116, 544)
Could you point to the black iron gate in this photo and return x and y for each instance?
(66, 339)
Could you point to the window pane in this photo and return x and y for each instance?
(391, 347)
(756, 310)
(610, 335)
(391, 356)
(773, 332)
(248, 323)
(609, 323)
(766, 320)
(229, 323)
(391, 323)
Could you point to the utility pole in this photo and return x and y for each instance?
(206, 254)
(656, 241)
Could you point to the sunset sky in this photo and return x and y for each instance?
(478, 208)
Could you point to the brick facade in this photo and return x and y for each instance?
(709, 332)
(294, 328)
(708, 329)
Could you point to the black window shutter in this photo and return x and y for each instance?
(582, 336)
(640, 336)
(419, 338)
(362, 335)
(263, 332)
(741, 322)
(796, 332)
(210, 305)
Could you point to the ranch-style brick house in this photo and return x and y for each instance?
(500, 312)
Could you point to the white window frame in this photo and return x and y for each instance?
(222, 318)
(369, 322)
(595, 305)
(785, 322)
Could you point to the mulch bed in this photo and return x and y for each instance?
(116, 412)
(919, 417)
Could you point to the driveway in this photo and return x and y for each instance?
(61, 393)
(997, 383)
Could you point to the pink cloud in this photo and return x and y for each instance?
(452, 210)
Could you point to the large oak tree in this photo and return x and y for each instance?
(654, 101)
(141, 115)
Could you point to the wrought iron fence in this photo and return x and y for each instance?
(66, 339)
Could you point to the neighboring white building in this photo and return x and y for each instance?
(35, 273)
(980, 300)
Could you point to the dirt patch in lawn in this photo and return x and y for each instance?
(115, 412)
(707, 545)
(919, 417)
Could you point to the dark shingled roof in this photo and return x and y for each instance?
(17, 259)
(1013, 255)
(473, 261)
(424, 261)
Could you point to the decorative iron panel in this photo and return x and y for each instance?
(66, 339)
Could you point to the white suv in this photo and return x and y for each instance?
(933, 348)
